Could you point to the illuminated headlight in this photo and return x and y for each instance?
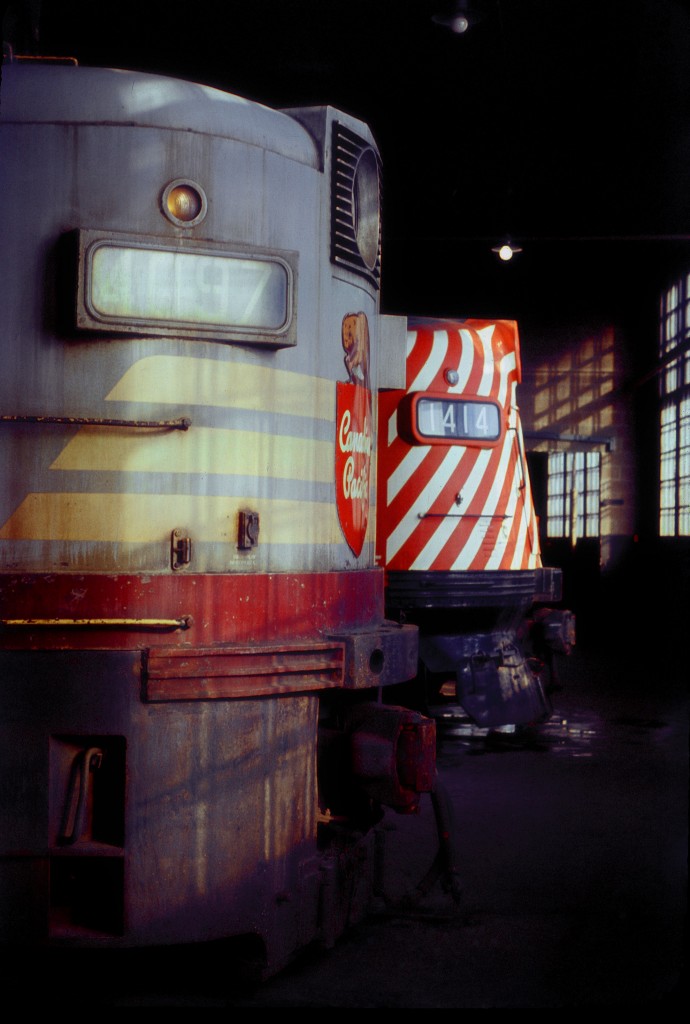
(184, 203)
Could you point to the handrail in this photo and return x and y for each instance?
(148, 624)
(183, 423)
(461, 515)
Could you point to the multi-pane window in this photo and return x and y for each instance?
(674, 423)
(574, 494)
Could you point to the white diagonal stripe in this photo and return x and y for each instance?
(437, 356)
(406, 526)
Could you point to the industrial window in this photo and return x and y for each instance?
(674, 419)
(574, 490)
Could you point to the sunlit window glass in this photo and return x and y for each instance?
(574, 494)
(674, 415)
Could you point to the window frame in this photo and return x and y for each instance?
(674, 409)
(576, 473)
(89, 318)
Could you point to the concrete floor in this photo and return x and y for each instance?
(571, 847)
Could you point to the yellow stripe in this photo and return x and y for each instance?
(150, 518)
(186, 380)
(200, 450)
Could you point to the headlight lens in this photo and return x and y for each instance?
(366, 212)
(184, 203)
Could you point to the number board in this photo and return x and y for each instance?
(458, 419)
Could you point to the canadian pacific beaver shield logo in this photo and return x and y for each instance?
(354, 440)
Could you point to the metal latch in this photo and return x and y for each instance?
(180, 549)
(248, 530)
(74, 818)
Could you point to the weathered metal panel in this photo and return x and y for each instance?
(209, 812)
(72, 610)
(263, 428)
(130, 98)
(224, 673)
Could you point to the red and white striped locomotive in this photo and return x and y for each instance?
(457, 530)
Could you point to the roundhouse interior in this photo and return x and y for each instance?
(564, 129)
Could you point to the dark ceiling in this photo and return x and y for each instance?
(563, 124)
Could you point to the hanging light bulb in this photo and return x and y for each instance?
(457, 18)
(506, 251)
(458, 24)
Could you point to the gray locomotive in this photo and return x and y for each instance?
(192, 630)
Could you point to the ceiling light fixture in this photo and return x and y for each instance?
(506, 250)
(457, 17)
